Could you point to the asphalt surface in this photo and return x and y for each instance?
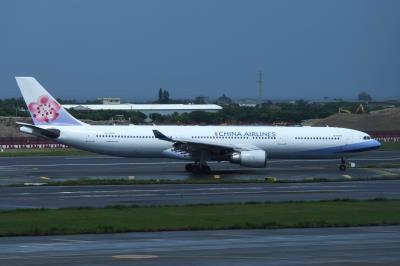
(320, 246)
(41, 169)
(181, 194)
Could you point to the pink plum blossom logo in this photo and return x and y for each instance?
(45, 110)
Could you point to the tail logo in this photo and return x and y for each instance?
(45, 109)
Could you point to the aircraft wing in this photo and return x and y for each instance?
(189, 145)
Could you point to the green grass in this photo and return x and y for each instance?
(198, 217)
(44, 152)
(390, 146)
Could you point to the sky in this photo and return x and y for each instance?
(306, 49)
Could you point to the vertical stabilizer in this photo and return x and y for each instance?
(44, 109)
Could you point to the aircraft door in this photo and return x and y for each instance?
(282, 140)
(90, 138)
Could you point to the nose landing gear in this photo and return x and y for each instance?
(342, 166)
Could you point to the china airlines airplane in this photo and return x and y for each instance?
(248, 146)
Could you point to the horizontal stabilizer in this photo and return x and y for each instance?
(39, 132)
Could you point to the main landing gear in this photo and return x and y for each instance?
(342, 166)
(198, 168)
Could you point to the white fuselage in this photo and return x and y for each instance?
(249, 146)
(278, 142)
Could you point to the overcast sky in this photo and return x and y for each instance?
(129, 49)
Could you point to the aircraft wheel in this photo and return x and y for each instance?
(205, 169)
(342, 167)
(197, 168)
(190, 167)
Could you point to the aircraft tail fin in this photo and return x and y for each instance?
(44, 109)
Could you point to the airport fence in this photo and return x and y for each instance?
(28, 143)
(386, 136)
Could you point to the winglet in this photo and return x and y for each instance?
(161, 136)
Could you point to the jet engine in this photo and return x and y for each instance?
(255, 158)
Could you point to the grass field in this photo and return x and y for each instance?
(197, 217)
(390, 146)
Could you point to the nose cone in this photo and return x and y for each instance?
(374, 144)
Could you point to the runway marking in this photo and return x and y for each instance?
(270, 189)
(72, 240)
(135, 256)
(383, 172)
(90, 157)
(218, 194)
(184, 189)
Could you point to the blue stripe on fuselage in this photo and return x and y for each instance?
(348, 148)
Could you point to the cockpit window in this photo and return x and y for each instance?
(367, 137)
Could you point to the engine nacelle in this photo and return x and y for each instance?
(256, 158)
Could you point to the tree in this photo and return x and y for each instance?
(160, 95)
(137, 117)
(200, 100)
(224, 100)
(364, 97)
(165, 96)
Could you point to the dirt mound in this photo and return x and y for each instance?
(382, 120)
(9, 128)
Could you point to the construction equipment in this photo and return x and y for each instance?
(343, 111)
(360, 109)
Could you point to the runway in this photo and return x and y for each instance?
(319, 246)
(181, 194)
(58, 168)
(44, 169)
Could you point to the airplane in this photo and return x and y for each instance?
(248, 146)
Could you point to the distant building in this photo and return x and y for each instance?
(109, 100)
(247, 104)
(147, 108)
(224, 100)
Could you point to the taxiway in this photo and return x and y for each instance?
(60, 168)
(319, 246)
